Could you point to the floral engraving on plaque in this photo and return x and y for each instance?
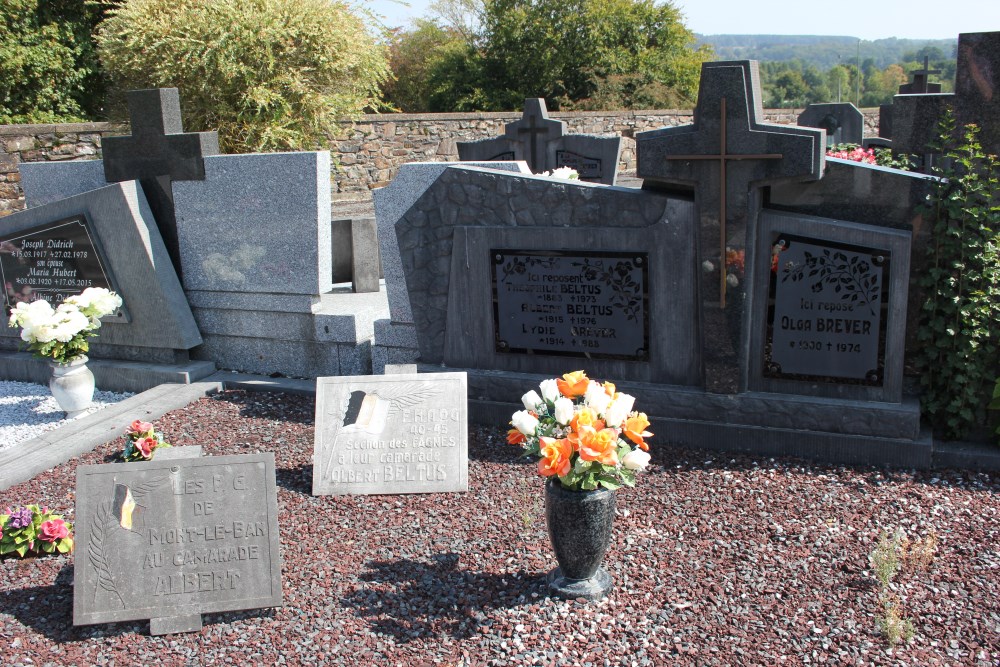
(627, 292)
(854, 279)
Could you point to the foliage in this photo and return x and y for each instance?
(49, 71)
(34, 529)
(581, 431)
(958, 336)
(882, 157)
(889, 557)
(995, 403)
(584, 54)
(61, 334)
(268, 74)
(141, 442)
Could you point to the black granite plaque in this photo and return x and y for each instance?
(589, 168)
(829, 306)
(574, 303)
(51, 262)
(506, 156)
(174, 538)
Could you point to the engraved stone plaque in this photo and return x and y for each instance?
(589, 168)
(389, 434)
(828, 311)
(506, 156)
(579, 303)
(170, 539)
(51, 262)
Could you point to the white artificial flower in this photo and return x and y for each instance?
(636, 460)
(42, 333)
(550, 390)
(564, 410)
(596, 397)
(524, 422)
(31, 314)
(531, 400)
(69, 321)
(95, 302)
(618, 410)
(563, 172)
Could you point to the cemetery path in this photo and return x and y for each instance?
(717, 560)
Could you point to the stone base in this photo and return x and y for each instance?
(109, 374)
(594, 588)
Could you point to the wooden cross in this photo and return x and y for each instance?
(723, 157)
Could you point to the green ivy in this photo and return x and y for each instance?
(958, 334)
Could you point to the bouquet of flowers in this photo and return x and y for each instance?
(34, 529)
(585, 433)
(61, 334)
(142, 441)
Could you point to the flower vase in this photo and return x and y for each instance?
(579, 524)
(72, 385)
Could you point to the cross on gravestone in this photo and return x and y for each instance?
(538, 129)
(157, 153)
(727, 155)
(921, 82)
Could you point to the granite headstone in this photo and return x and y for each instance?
(170, 539)
(844, 123)
(389, 434)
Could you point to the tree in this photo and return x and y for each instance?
(418, 56)
(49, 70)
(268, 74)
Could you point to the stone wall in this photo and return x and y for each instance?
(369, 150)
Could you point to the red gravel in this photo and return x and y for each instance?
(718, 560)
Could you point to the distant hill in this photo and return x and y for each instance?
(821, 51)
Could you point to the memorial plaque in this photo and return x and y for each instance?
(51, 262)
(589, 168)
(506, 156)
(829, 306)
(579, 303)
(170, 539)
(389, 434)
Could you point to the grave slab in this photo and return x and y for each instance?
(173, 539)
(389, 434)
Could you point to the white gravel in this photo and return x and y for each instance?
(28, 410)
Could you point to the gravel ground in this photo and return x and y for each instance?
(717, 560)
(28, 410)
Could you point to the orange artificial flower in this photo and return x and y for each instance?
(585, 417)
(610, 389)
(555, 457)
(515, 437)
(634, 429)
(573, 385)
(599, 445)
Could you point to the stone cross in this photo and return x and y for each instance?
(921, 83)
(726, 156)
(157, 153)
(536, 130)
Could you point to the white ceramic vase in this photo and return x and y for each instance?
(72, 385)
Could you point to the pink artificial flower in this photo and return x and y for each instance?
(139, 426)
(52, 530)
(146, 447)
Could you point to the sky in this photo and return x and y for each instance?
(865, 19)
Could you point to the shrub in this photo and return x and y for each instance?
(267, 74)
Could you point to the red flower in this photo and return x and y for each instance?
(52, 530)
(146, 447)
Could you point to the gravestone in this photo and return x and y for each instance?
(977, 86)
(105, 237)
(844, 123)
(158, 153)
(171, 539)
(51, 262)
(544, 145)
(921, 84)
(727, 155)
(388, 434)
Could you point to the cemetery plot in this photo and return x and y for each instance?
(828, 302)
(175, 538)
(52, 262)
(405, 433)
(580, 304)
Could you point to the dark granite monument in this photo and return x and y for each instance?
(171, 539)
(844, 123)
(544, 145)
(754, 294)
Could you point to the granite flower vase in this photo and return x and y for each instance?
(72, 385)
(579, 524)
